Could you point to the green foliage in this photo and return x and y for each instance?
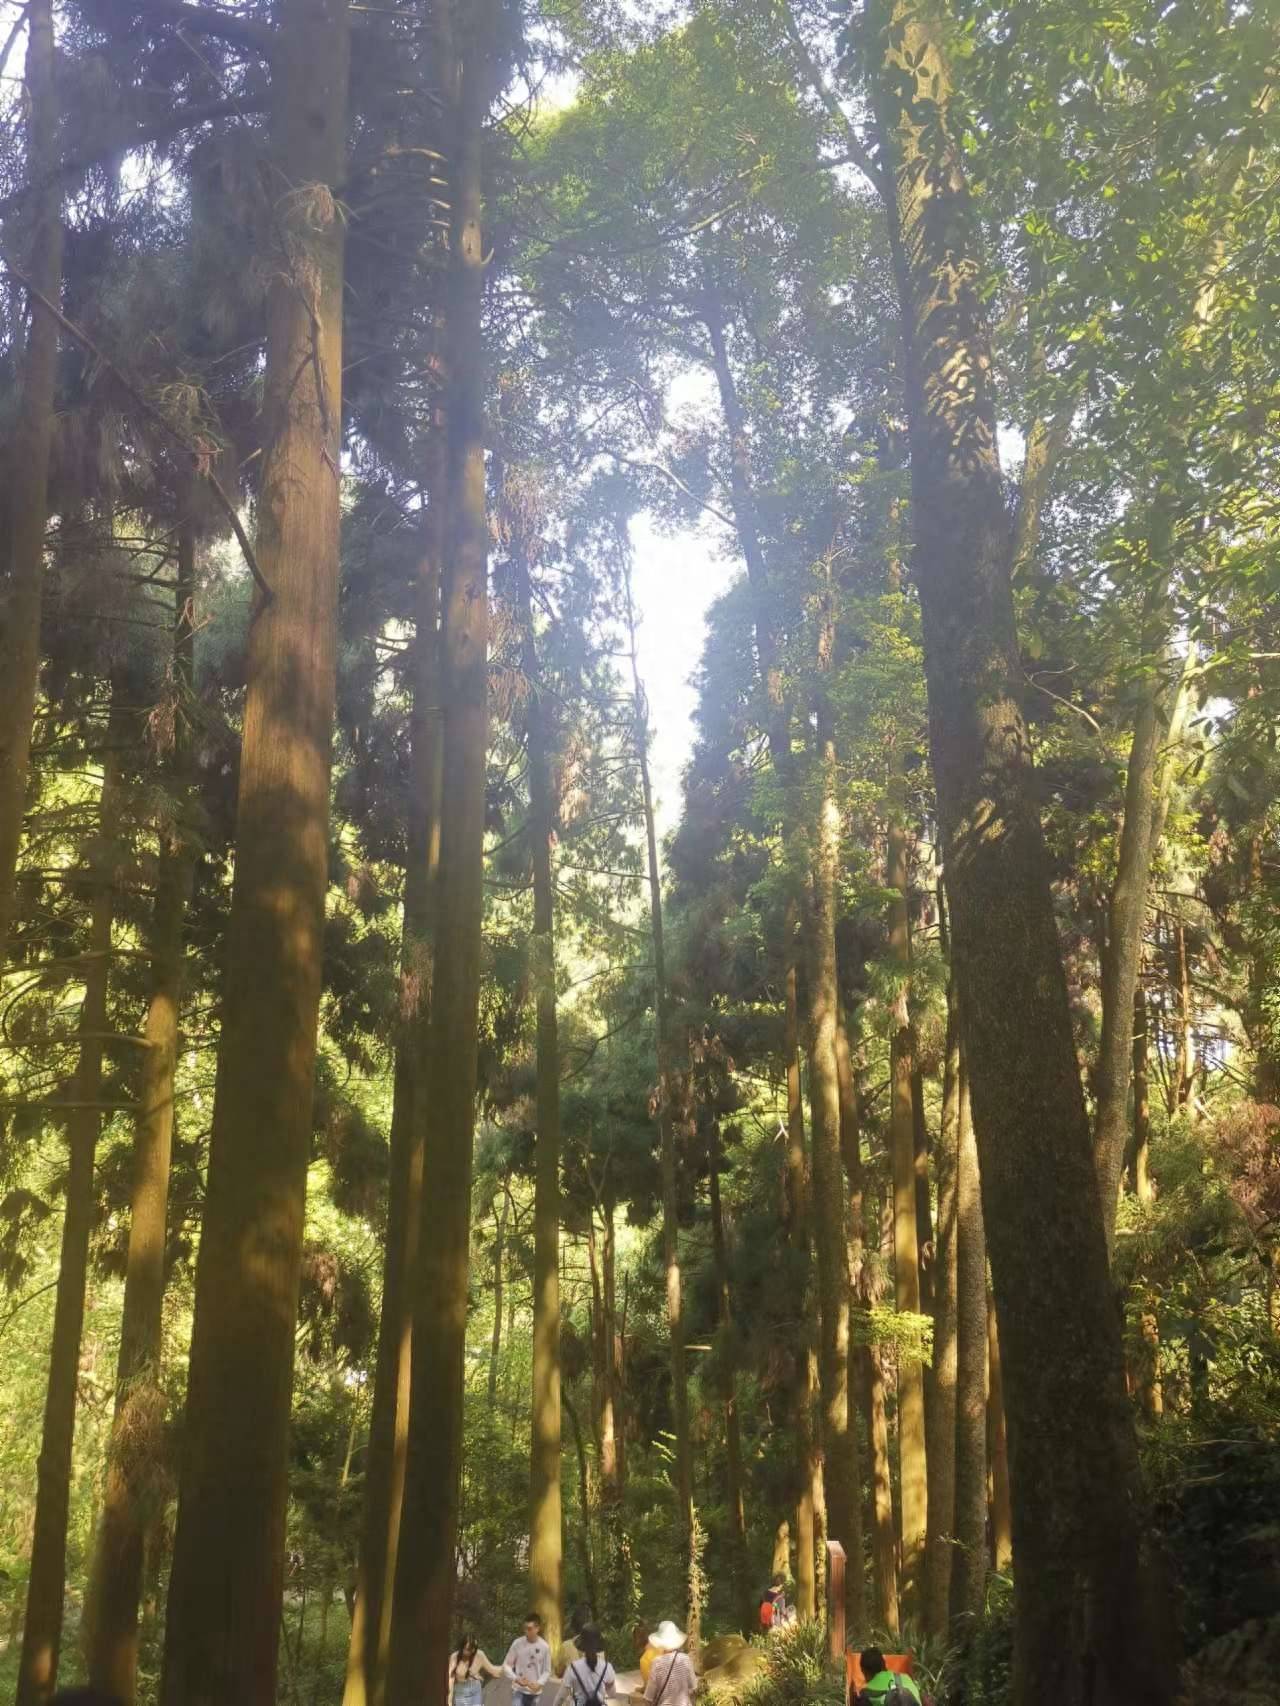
(797, 1672)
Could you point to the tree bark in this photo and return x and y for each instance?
(46, 1583)
(998, 1449)
(28, 497)
(1141, 1097)
(546, 1568)
(1126, 916)
(913, 1470)
(368, 1650)
(667, 1136)
(940, 1412)
(611, 1456)
(737, 1547)
(129, 1501)
(808, 1441)
(223, 1628)
(969, 1577)
(426, 1569)
(499, 1256)
(1073, 1446)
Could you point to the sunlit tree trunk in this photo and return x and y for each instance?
(545, 1537)
(941, 1410)
(223, 1627)
(666, 1128)
(426, 1569)
(368, 1650)
(130, 1496)
(969, 1577)
(913, 1472)
(808, 1440)
(1141, 1097)
(729, 1398)
(1072, 1440)
(32, 437)
(499, 1258)
(46, 1582)
(1001, 1504)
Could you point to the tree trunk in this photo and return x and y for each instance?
(368, 1649)
(913, 1472)
(611, 1460)
(737, 1548)
(1186, 1067)
(545, 1538)
(426, 1569)
(1073, 1445)
(1126, 916)
(31, 442)
(1141, 1098)
(130, 1499)
(998, 1449)
(840, 1480)
(884, 1539)
(585, 1553)
(940, 1412)
(499, 1256)
(970, 1575)
(223, 1629)
(46, 1583)
(808, 1440)
(666, 1127)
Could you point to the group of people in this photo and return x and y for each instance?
(589, 1679)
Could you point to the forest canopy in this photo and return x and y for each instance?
(474, 1138)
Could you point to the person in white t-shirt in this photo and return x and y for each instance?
(588, 1680)
(528, 1662)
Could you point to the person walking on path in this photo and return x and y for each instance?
(672, 1679)
(589, 1680)
(468, 1666)
(528, 1662)
(882, 1686)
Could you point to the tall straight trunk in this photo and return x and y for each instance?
(1141, 1097)
(611, 1463)
(808, 1440)
(912, 1459)
(998, 1448)
(223, 1628)
(46, 1582)
(546, 1568)
(831, 1117)
(1185, 1074)
(1072, 1439)
(970, 1574)
(840, 1480)
(924, 1207)
(28, 497)
(444, 1115)
(884, 1539)
(729, 1398)
(368, 1649)
(667, 1137)
(499, 1257)
(128, 1500)
(1126, 915)
(940, 1412)
(586, 1555)
(860, 1378)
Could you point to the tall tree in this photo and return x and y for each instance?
(1072, 1443)
(667, 1136)
(941, 1410)
(27, 499)
(369, 1646)
(222, 1632)
(422, 1615)
(545, 1529)
(968, 1582)
(128, 1501)
(46, 1583)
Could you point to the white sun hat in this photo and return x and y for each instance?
(667, 1638)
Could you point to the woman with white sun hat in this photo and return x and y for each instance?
(672, 1678)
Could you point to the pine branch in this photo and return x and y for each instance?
(152, 413)
(232, 27)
